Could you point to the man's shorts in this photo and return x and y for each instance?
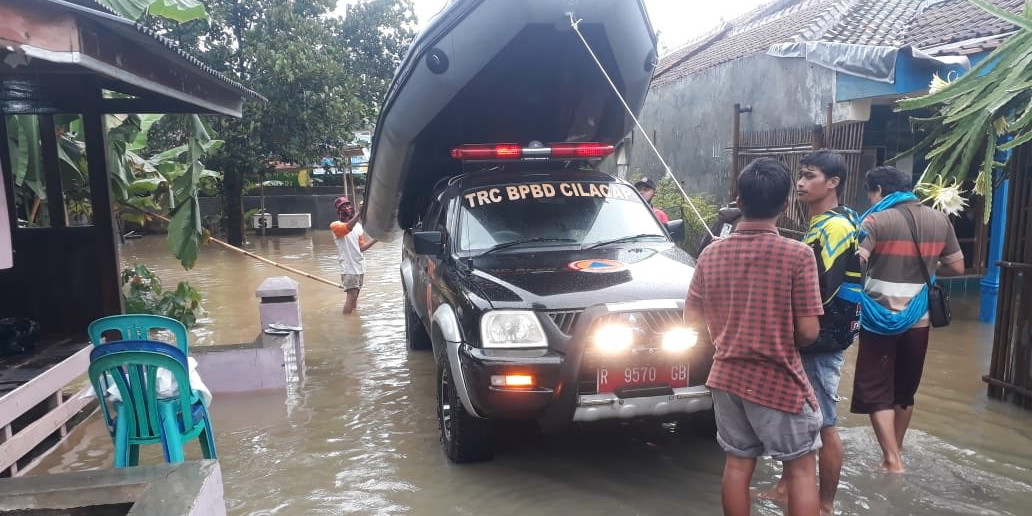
(351, 281)
(824, 370)
(748, 430)
(888, 370)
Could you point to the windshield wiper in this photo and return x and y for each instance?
(525, 241)
(624, 239)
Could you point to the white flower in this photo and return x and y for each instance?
(937, 84)
(948, 199)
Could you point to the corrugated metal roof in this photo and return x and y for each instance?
(100, 13)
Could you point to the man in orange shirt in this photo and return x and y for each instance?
(351, 242)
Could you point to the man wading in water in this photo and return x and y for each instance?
(351, 242)
(832, 235)
(756, 292)
(894, 318)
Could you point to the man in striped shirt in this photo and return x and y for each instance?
(889, 366)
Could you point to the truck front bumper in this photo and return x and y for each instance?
(554, 399)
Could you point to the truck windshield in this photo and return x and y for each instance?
(552, 214)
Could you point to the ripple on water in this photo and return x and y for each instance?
(360, 435)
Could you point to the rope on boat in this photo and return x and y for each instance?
(576, 28)
(245, 252)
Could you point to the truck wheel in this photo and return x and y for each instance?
(415, 333)
(465, 437)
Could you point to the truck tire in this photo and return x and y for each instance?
(465, 437)
(415, 333)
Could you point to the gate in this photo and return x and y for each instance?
(1010, 369)
(789, 145)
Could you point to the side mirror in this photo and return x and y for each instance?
(676, 230)
(427, 243)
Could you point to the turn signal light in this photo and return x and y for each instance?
(512, 380)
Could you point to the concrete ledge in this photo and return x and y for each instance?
(267, 363)
(189, 488)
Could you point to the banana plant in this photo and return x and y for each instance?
(984, 111)
(176, 10)
(165, 182)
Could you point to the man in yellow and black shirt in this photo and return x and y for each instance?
(832, 235)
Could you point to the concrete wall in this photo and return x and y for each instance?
(319, 206)
(691, 118)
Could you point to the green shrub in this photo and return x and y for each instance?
(143, 294)
(668, 198)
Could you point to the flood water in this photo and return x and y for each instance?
(360, 436)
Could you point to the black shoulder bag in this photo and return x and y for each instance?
(938, 299)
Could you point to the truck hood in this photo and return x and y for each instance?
(565, 279)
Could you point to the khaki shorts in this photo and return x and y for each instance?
(351, 281)
(748, 430)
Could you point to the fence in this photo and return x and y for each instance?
(17, 443)
(789, 145)
(1010, 369)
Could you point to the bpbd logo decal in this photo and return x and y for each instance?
(597, 265)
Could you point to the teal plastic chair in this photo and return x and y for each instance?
(142, 416)
(138, 327)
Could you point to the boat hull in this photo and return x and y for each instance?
(503, 71)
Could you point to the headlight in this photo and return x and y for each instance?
(511, 329)
(614, 338)
(679, 339)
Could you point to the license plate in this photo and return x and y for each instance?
(609, 378)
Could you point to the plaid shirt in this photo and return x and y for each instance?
(749, 288)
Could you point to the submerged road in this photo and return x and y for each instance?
(360, 437)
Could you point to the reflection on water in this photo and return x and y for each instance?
(362, 435)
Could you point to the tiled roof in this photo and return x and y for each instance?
(941, 23)
(747, 35)
(874, 22)
(924, 24)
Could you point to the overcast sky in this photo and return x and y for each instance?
(676, 21)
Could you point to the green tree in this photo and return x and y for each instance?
(323, 77)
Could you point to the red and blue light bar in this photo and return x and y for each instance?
(514, 151)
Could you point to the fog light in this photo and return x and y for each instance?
(614, 338)
(679, 339)
(512, 380)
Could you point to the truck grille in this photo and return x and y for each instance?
(565, 320)
(656, 321)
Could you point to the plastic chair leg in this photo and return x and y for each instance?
(121, 441)
(134, 454)
(207, 440)
(170, 435)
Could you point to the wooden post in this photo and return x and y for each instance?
(55, 401)
(52, 171)
(827, 126)
(735, 142)
(8, 174)
(109, 297)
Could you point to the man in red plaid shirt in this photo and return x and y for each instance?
(758, 295)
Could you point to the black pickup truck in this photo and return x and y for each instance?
(548, 291)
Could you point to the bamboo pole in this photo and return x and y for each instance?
(245, 252)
